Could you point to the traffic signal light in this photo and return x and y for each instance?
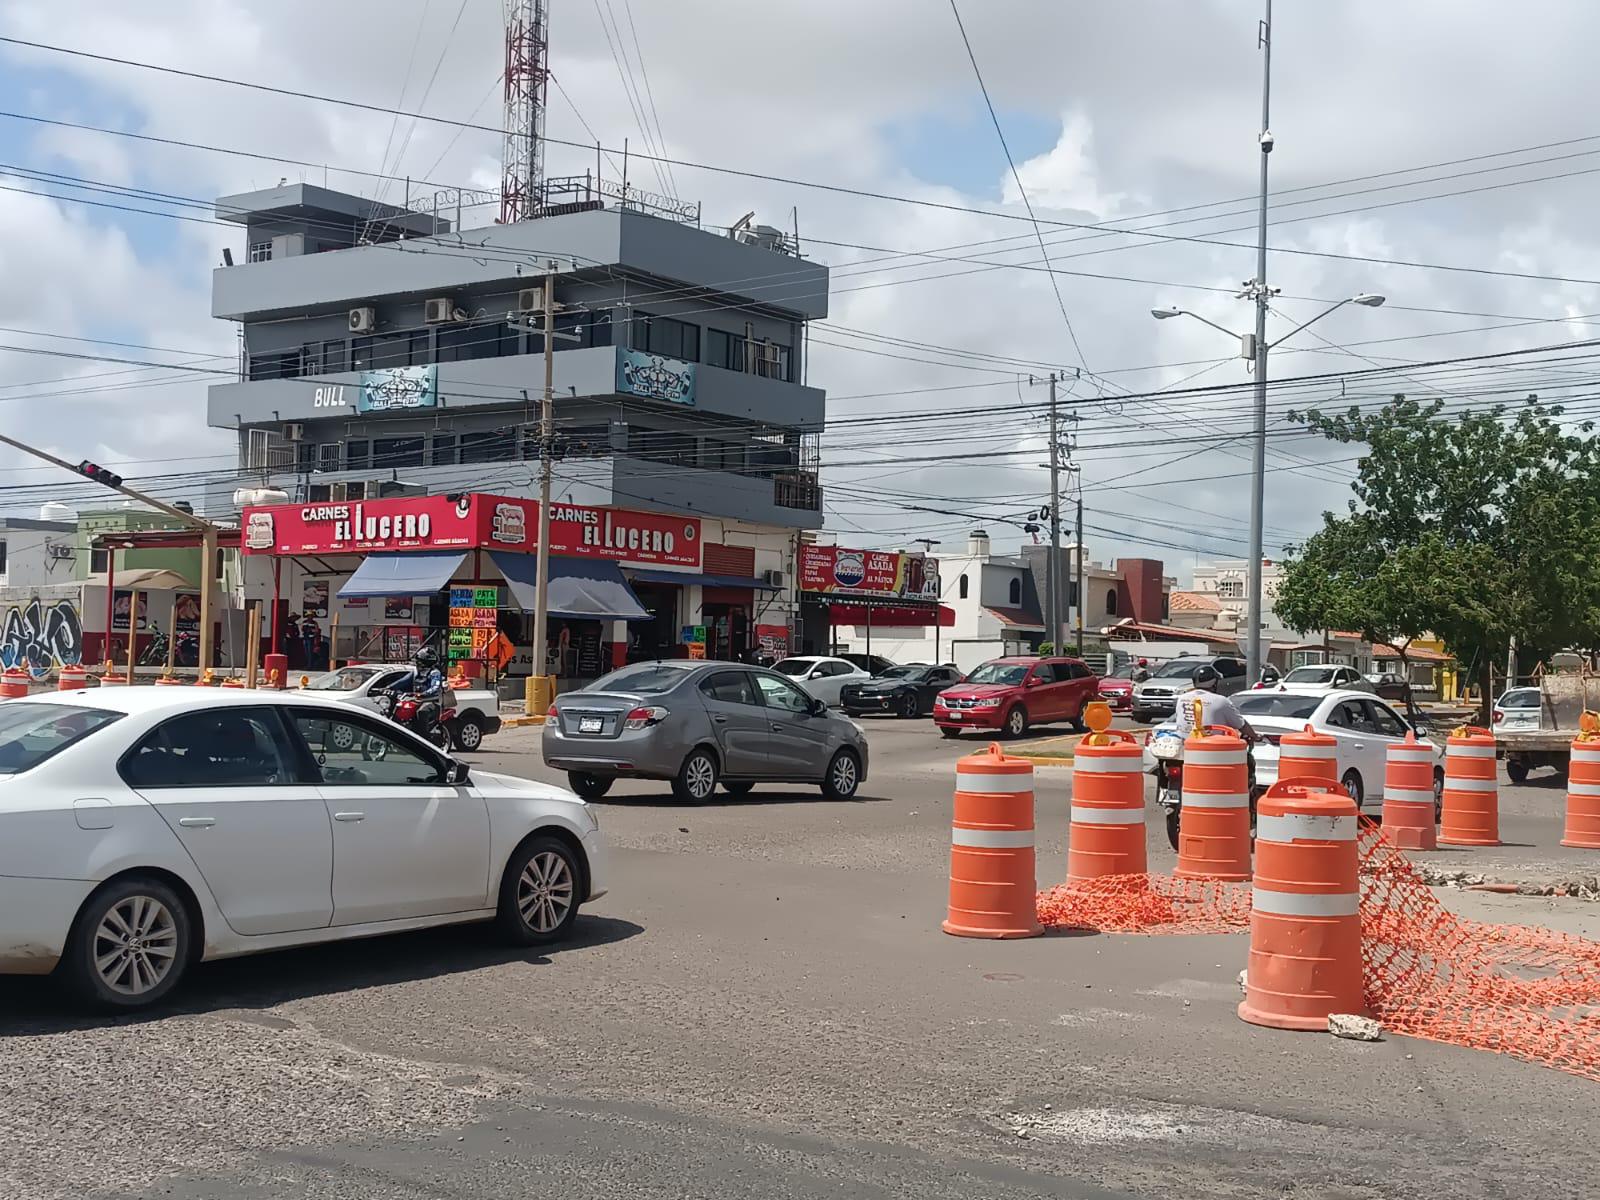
(99, 474)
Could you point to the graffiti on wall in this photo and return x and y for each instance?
(40, 638)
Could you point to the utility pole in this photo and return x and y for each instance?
(1258, 451)
(1052, 575)
(1078, 554)
(542, 692)
(208, 536)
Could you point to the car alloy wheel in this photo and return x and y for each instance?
(1016, 722)
(697, 778)
(1351, 782)
(469, 734)
(342, 737)
(135, 945)
(844, 776)
(545, 892)
(908, 705)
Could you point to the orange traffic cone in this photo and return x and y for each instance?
(1583, 790)
(14, 683)
(1305, 923)
(1214, 819)
(74, 678)
(992, 878)
(1471, 815)
(1408, 802)
(1106, 836)
(1308, 755)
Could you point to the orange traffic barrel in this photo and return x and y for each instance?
(73, 678)
(233, 683)
(1308, 755)
(1471, 815)
(14, 683)
(1106, 836)
(1305, 921)
(1583, 795)
(113, 677)
(1408, 800)
(992, 879)
(206, 678)
(1214, 818)
(170, 681)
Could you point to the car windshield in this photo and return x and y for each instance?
(1521, 698)
(345, 679)
(645, 678)
(31, 733)
(792, 666)
(1178, 668)
(1276, 704)
(904, 673)
(1311, 675)
(999, 672)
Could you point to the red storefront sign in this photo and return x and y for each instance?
(839, 571)
(466, 522)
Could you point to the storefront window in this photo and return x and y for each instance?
(397, 452)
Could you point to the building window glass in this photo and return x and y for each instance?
(663, 446)
(962, 592)
(445, 450)
(280, 365)
(489, 445)
(259, 252)
(335, 356)
(771, 360)
(1014, 592)
(1111, 604)
(357, 455)
(666, 337)
(397, 452)
(98, 560)
(1230, 589)
(405, 349)
(600, 328)
(725, 350)
(462, 343)
(305, 456)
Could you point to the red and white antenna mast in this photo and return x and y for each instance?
(527, 74)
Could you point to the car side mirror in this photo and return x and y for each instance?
(458, 772)
(818, 708)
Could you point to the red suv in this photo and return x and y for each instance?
(1010, 694)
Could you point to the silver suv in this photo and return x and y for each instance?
(1157, 697)
(699, 724)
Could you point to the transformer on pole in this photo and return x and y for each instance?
(527, 74)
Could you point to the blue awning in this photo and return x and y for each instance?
(587, 588)
(729, 581)
(408, 574)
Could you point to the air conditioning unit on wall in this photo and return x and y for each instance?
(441, 310)
(363, 319)
(294, 431)
(530, 300)
(774, 579)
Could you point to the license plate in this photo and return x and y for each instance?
(588, 724)
(955, 716)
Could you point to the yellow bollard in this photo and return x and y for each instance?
(537, 695)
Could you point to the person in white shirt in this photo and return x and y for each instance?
(1215, 709)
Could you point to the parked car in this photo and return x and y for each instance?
(1517, 710)
(698, 724)
(1363, 726)
(873, 664)
(821, 676)
(1327, 677)
(1157, 696)
(1388, 685)
(375, 686)
(905, 691)
(1012, 694)
(1117, 691)
(164, 826)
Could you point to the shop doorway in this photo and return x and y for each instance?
(657, 637)
(727, 631)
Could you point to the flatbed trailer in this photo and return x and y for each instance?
(1566, 691)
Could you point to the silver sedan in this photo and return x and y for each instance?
(698, 724)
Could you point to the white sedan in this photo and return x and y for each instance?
(145, 829)
(1327, 677)
(1363, 726)
(820, 677)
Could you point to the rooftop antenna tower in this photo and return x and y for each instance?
(527, 75)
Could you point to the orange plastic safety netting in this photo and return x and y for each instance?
(1520, 990)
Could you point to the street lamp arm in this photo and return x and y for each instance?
(1331, 309)
(1204, 321)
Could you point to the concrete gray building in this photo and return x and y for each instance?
(379, 347)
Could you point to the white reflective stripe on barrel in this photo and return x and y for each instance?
(1469, 785)
(1303, 904)
(1293, 749)
(1470, 751)
(1132, 764)
(1082, 815)
(1410, 754)
(994, 785)
(1408, 795)
(992, 839)
(1304, 827)
(1575, 788)
(1194, 756)
(1216, 799)
(1587, 752)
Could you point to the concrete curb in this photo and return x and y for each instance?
(519, 722)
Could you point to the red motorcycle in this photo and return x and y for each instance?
(428, 718)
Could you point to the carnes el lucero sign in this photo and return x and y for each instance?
(470, 521)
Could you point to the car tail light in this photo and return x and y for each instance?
(643, 718)
(1499, 715)
(1271, 739)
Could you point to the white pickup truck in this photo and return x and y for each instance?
(370, 685)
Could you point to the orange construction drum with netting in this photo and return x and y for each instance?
(1409, 815)
(1583, 794)
(1107, 832)
(993, 883)
(1214, 819)
(1471, 813)
(1308, 755)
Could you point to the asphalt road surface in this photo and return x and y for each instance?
(765, 1006)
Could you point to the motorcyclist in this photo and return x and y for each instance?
(427, 684)
(1142, 671)
(1214, 709)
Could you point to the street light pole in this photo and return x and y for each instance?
(1052, 575)
(547, 424)
(1258, 449)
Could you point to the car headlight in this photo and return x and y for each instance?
(991, 702)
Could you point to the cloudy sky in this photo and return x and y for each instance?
(1116, 112)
